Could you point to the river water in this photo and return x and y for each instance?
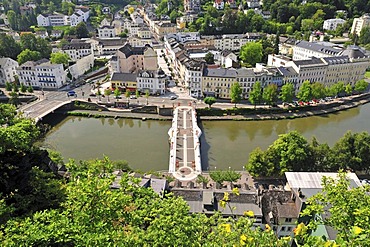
(224, 144)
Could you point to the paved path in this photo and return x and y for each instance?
(185, 161)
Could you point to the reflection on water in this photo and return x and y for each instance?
(223, 143)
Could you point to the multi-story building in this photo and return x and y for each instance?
(135, 41)
(192, 6)
(130, 59)
(77, 50)
(332, 24)
(219, 4)
(306, 50)
(106, 32)
(359, 23)
(231, 42)
(7, 70)
(186, 19)
(42, 74)
(217, 82)
(56, 19)
(124, 81)
(81, 65)
(152, 81)
(163, 28)
(193, 77)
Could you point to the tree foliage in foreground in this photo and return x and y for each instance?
(347, 209)
(95, 215)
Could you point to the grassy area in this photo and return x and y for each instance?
(367, 74)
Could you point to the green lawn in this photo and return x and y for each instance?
(367, 74)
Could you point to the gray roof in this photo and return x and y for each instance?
(287, 71)
(336, 60)
(220, 72)
(76, 45)
(124, 77)
(313, 180)
(309, 62)
(353, 52)
(318, 47)
(242, 72)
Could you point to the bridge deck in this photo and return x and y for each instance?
(185, 160)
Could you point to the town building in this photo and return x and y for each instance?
(8, 71)
(332, 24)
(359, 23)
(192, 6)
(77, 50)
(42, 74)
(124, 81)
(42, 34)
(106, 32)
(306, 50)
(219, 4)
(152, 81)
(81, 14)
(182, 21)
(131, 59)
(163, 28)
(81, 66)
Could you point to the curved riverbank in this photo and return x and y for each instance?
(239, 114)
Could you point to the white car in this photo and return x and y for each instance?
(173, 97)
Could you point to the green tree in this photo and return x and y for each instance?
(290, 152)
(8, 86)
(23, 88)
(28, 41)
(28, 55)
(361, 86)
(236, 93)
(287, 92)
(322, 157)
(347, 209)
(59, 58)
(318, 90)
(9, 47)
(348, 89)
(209, 101)
(107, 92)
(305, 92)
(12, 19)
(251, 53)
(30, 89)
(209, 58)
(257, 166)
(270, 94)
(255, 96)
(202, 180)
(147, 94)
(81, 30)
(122, 165)
(127, 95)
(137, 94)
(117, 93)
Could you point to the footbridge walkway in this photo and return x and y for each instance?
(185, 160)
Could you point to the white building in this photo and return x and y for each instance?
(303, 50)
(219, 4)
(360, 23)
(75, 18)
(228, 59)
(77, 50)
(56, 19)
(332, 24)
(193, 77)
(42, 74)
(106, 32)
(151, 80)
(7, 70)
(82, 65)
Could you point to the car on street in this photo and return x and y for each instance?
(92, 95)
(118, 97)
(72, 93)
(173, 97)
(133, 97)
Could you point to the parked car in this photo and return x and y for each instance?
(173, 97)
(133, 97)
(72, 93)
(92, 95)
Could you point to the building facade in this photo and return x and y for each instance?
(42, 74)
(332, 24)
(131, 59)
(8, 68)
(77, 50)
(152, 81)
(359, 23)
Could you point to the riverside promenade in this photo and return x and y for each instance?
(185, 160)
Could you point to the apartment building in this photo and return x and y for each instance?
(359, 23)
(130, 59)
(105, 32)
(8, 68)
(193, 70)
(163, 28)
(306, 50)
(77, 50)
(332, 24)
(152, 81)
(192, 6)
(42, 74)
(81, 14)
(124, 81)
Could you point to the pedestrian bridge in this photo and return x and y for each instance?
(185, 160)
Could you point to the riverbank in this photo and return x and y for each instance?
(243, 113)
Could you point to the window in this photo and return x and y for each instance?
(283, 229)
(288, 220)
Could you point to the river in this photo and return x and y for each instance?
(224, 144)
